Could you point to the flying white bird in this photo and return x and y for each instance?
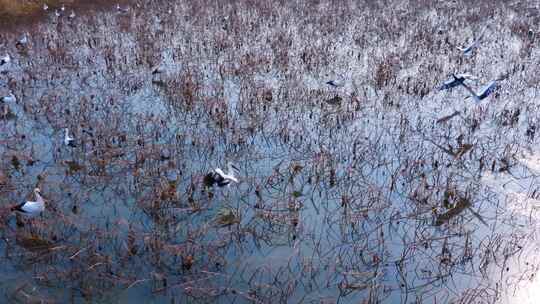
(335, 83)
(221, 178)
(68, 140)
(31, 208)
(457, 80)
(485, 91)
(9, 98)
(467, 49)
(158, 69)
(5, 60)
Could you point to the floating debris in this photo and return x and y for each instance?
(73, 166)
(34, 243)
(227, 217)
(462, 204)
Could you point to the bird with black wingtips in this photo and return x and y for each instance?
(467, 49)
(31, 208)
(457, 79)
(222, 179)
(335, 83)
(9, 98)
(485, 91)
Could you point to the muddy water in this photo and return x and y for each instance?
(358, 199)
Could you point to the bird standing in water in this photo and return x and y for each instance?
(31, 208)
(221, 178)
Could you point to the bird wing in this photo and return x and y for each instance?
(32, 207)
(234, 179)
(467, 76)
(481, 34)
(470, 47)
(488, 89)
(225, 176)
(224, 183)
(18, 207)
(220, 172)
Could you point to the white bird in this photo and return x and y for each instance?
(68, 140)
(338, 81)
(158, 69)
(335, 83)
(5, 60)
(221, 178)
(466, 50)
(57, 13)
(485, 91)
(45, 6)
(456, 80)
(62, 8)
(9, 98)
(31, 208)
(72, 15)
(23, 40)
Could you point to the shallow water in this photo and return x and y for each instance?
(336, 202)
